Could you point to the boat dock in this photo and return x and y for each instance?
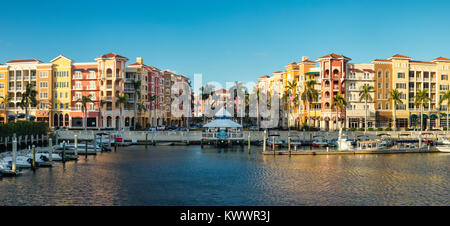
(334, 152)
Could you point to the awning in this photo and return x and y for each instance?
(312, 73)
(222, 123)
(425, 116)
(11, 116)
(443, 115)
(92, 69)
(413, 116)
(433, 116)
(20, 115)
(77, 69)
(31, 117)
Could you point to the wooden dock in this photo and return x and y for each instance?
(347, 152)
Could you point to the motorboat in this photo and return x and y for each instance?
(443, 141)
(41, 160)
(345, 144)
(21, 161)
(295, 142)
(274, 140)
(370, 145)
(6, 169)
(445, 148)
(319, 143)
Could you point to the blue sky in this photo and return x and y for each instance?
(224, 40)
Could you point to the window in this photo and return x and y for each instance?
(93, 95)
(43, 84)
(379, 85)
(401, 107)
(92, 85)
(56, 106)
(400, 86)
(379, 74)
(67, 106)
(43, 74)
(78, 107)
(67, 95)
(56, 95)
(387, 74)
(443, 87)
(78, 75)
(61, 106)
(352, 85)
(2, 85)
(43, 106)
(444, 77)
(387, 106)
(91, 107)
(379, 106)
(387, 85)
(43, 95)
(2, 75)
(92, 74)
(401, 75)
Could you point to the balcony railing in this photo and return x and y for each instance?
(77, 87)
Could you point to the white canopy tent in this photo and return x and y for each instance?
(222, 123)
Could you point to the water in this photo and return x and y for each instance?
(189, 175)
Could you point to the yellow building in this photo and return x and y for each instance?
(62, 76)
(408, 76)
(3, 92)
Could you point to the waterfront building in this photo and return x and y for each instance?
(85, 82)
(408, 76)
(155, 95)
(359, 75)
(62, 88)
(169, 79)
(333, 68)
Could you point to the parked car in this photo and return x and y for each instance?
(160, 127)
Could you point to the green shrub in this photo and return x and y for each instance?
(361, 129)
(445, 129)
(352, 129)
(22, 128)
(379, 129)
(370, 129)
(388, 129)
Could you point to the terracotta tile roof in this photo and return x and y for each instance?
(333, 55)
(354, 69)
(309, 61)
(264, 76)
(25, 61)
(384, 60)
(368, 70)
(400, 56)
(112, 55)
(441, 59)
(277, 72)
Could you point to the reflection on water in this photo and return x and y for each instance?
(190, 175)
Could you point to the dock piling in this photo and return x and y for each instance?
(50, 149)
(14, 154)
(64, 152)
(76, 145)
(249, 142)
(264, 142)
(289, 145)
(115, 143)
(33, 154)
(85, 148)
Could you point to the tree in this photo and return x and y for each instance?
(445, 97)
(308, 96)
(122, 101)
(291, 85)
(339, 103)
(84, 100)
(421, 99)
(141, 108)
(137, 94)
(207, 91)
(395, 97)
(4, 100)
(28, 99)
(364, 94)
(258, 93)
(101, 104)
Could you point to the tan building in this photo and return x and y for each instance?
(408, 76)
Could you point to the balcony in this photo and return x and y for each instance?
(77, 87)
(92, 88)
(33, 77)
(109, 108)
(109, 75)
(129, 90)
(109, 98)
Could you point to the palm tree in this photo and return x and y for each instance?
(28, 98)
(309, 95)
(445, 97)
(141, 108)
(395, 97)
(339, 103)
(364, 94)
(121, 100)
(291, 85)
(137, 94)
(207, 91)
(421, 99)
(101, 104)
(4, 100)
(84, 100)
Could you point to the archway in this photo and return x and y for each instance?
(109, 122)
(117, 122)
(55, 120)
(61, 120)
(66, 120)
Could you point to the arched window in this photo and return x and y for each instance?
(108, 121)
(66, 120)
(335, 73)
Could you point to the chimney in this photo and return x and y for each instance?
(305, 58)
(139, 60)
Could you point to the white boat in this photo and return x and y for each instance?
(443, 148)
(443, 141)
(41, 159)
(295, 141)
(320, 143)
(21, 161)
(345, 144)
